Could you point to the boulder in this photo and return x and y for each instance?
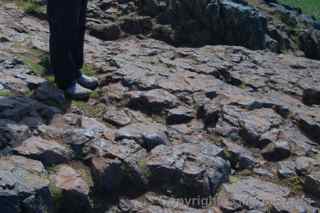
(105, 31)
(287, 169)
(304, 165)
(239, 156)
(152, 101)
(12, 133)
(250, 125)
(254, 194)
(49, 152)
(114, 165)
(309, 123)
(136, 24)
(276, 151)
(311, 96)
(257, 122)
(97, 127)
(310, 43)
(194, 169)
(116, 117)
(16, 108)
(50, 95)
(71, 189)
(179, 115)
(23, 186)
(107, 174)
(77, 138)
(312, 183)
(147, 135)
(218, 22)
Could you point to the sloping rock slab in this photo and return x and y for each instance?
(254, 194)
(23, 185)
(194, 169)
(74, 190)
(147, 135)
(47, 151)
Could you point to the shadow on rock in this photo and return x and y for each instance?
(20, 116)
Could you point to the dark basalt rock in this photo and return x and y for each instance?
(49, 152)
(116, 117)
(23, 186)
(277, 151)
(304, 165)
(240, 157)
(310, 125)
(105, 31)
(312, 183)
(254, 194)
(215, 22)
(12, 133)
(78, 138)
(17, 108)
(250, 125)
(198, 23)
(179, 115)
(310, 43)
(287, 169)
(191, 169)
(48, 94)
(147, 135)
(154, 100)
(107, 174)
(115, 165)
(136, 25)
(311, 96)
(74, 191)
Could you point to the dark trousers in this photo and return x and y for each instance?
(67, 29)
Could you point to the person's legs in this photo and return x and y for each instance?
(63, 21)
(78, 48)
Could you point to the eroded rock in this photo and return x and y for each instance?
(47, 151)
(195, 169)
(23, 186)
(153, 100)
(72, 189)
(147, 135)
(116, 117)
(12, 133)
(254, 194)
(312, 183)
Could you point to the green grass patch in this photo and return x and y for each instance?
(36, 68)
(234, 179)
(294, 183)
(28, 93)
(56, 193)
(309, 7)
(8, 93)
(96, 94)
(5, 93)
(32, 7)
(88, 69)
(144, 168)
(39, 65)
(94, 111)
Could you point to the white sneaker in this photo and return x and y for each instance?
(77, 92)
(88, 82)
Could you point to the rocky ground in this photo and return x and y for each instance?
(170, 129)
(255, 24)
